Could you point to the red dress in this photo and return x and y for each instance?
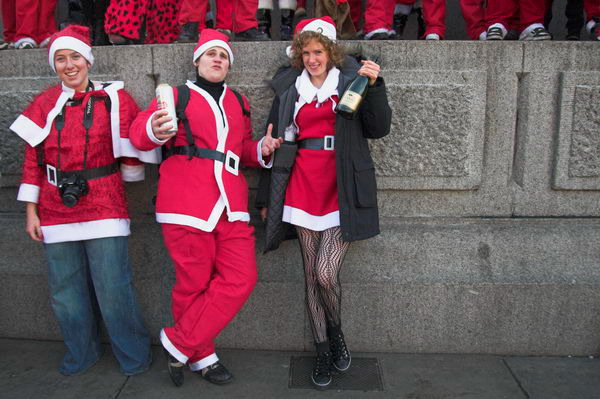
(311, 198)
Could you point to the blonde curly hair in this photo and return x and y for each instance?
(335, 52)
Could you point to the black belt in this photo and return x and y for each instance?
(230, 160)
(197, 152)
(325, 143)
(55, 176)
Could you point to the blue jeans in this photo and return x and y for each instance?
(90, 280)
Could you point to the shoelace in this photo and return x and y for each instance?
(322, 365)
(339, 346)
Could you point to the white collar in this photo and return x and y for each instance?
(71, 92)
(308, 92)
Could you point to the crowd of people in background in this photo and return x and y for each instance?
(30, 23)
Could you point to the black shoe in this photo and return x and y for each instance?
(573, 36)
(175, 368)
(512, 35)
(399, 24)
(321, 374)
(189, 33)
(341, 358)
(217, 374)
(287, 21)
(251, 35)
(380, 36)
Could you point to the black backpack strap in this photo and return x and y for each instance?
(183, 98)
(245, 111)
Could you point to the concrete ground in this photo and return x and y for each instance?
(28, 370)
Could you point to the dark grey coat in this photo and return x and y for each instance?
(357, 189)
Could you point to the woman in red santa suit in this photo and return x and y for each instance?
(331, 196)
(77, 155)
(202, 204)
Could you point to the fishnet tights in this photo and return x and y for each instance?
(322, 253)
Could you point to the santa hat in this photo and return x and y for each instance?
(73, 37)
(323, 25)
(212, 38)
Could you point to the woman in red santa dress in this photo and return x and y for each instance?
(331, 196)
(77, 155)
(202, 205)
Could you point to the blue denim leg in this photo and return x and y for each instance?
(111, 275)
(73, 302)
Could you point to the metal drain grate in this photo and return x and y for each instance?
(363, 375)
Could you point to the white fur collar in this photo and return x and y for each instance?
(308, 92)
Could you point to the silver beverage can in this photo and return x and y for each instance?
(165, 100)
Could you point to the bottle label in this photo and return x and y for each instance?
(351, 100)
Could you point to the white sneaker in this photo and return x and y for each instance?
(536, 33)
(432, 36)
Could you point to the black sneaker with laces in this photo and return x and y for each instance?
(216, 373)
(341, 358)
(321, 374)
(189, 33)
(175, 368)
(251, 35)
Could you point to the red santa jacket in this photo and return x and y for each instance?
(195, 192)
(103, 211)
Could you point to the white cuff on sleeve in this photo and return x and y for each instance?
(132, 173)
(151, 135)
(261, 161)
(28, 193)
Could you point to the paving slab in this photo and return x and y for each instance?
(29, 369)
(557, 378)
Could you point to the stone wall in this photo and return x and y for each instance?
(488, 190)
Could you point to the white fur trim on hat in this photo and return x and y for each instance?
(70, 43)
(322, 27)
(213, 43)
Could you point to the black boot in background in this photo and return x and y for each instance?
(287, 24)
(189, 33)
(263, 16)
(420, 22)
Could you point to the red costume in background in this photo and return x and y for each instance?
(125, 18)
(28, 19)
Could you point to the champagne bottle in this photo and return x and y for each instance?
(352, 97)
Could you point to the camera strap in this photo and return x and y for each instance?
(59, 121)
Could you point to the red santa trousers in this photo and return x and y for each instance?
(592, 9)
(355, 12)
(530, 12)
(379, 15)
(33, 19)
(236, 15)
(474, 14)
(434, 14)
(193, 11)
(215, 274)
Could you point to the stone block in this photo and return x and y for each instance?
(556, 378)
(577, 165)
(542, 132)
(438, 132)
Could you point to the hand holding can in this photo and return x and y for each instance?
(166, 101)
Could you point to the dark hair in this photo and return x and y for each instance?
(334, 50)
